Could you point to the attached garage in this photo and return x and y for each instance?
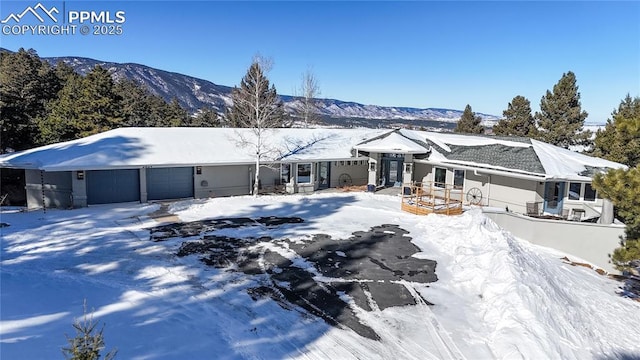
(113, 186)
(169, 183)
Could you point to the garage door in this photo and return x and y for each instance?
(113, 186)
(169, 183)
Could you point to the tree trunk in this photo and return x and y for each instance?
(257, 178)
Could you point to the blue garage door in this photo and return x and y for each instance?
(113, 186)
(169, 183)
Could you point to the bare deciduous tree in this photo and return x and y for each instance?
(310, 90)
(256, 106)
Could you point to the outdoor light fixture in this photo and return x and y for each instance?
(80, 175)
(407, 167)
(372, 166)
(199, 170)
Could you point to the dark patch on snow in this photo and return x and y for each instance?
(369, 270)
(2, 224)
(195, 228)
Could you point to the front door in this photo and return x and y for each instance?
(324, 170)
(553, 196)
(392, 171)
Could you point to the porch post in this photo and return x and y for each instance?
(407, 172)
(79, 188)
(373, 171)
(143, 185)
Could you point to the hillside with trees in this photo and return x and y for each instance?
(43, 104)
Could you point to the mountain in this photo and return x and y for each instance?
(194, 93)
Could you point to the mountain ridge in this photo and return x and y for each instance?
(195, 93)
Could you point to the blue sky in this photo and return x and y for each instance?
(416, 53)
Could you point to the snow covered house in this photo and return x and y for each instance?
(144, 164)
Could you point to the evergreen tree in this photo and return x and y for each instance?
(88, 343)
(101, 106)
(622, 188)
(206, 117)
(469, 122)
(85, 106)
(61, 121)
(620, 139)
(518, 120)
(137, 109)
(561, 119)
(175, 115)
(27, 83)
(256, 103)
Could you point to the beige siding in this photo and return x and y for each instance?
(356, 169)
(512, 193)
(420, 171)
(223, 181)
(479, 181)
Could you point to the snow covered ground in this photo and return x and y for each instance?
(496, 297)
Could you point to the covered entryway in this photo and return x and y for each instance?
(169, 183)
(113, 186)
(392, 168)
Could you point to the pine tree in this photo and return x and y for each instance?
(175, 114)
(256, 103)
(206, 117)
(469, 122)
(136, 103)
(622, 188)
(100, 105)
(620, 139)
(561, 119)
(518, 120)
(88, 342)
(27, 83)
(61, 122)
(85, 106)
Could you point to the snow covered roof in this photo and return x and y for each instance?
(140, 147)
(392, 142)
(148, 147)
(510, 154)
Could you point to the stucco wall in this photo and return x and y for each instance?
(511, 192)
(420, 171)
(222, 181)
(57, 189)
(590, 242)
(356, 169)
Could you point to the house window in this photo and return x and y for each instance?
(285, 173)
(458, 179)
(589, 193)
(440, 177)
(574, 191)
(304, 173)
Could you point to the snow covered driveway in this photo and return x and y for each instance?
(495, 296)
